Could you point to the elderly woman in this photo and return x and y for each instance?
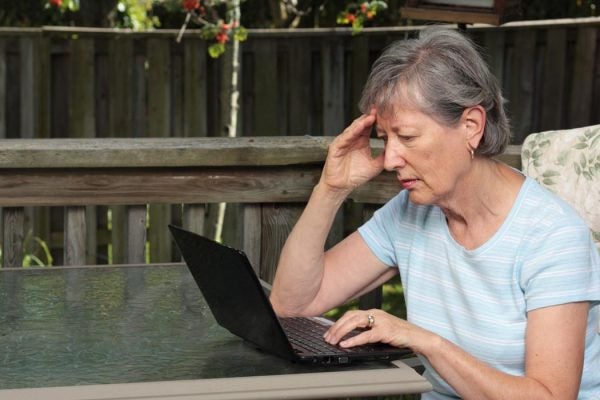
(501, 278)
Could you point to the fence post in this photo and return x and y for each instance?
(74, 236)
(13, 236)
(135, 232)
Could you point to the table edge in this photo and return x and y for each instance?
(379, 382)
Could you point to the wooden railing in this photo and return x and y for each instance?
(268, 179)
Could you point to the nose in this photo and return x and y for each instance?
(394, 157)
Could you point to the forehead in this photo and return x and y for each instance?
(400, 115)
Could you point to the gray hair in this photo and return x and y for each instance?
(442, 73)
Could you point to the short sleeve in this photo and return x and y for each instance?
(379, 231)
(561, 266)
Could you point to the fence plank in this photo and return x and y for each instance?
(91, 236)
(159, 88)
(28, 87)
(3, 87)
(159, 107)
(120, 124)
(120, 89)
(300, 62)
(3, 107)
(81, 89)
(194, 89)
(332, 53)
(74, 236)
(29, 101)
(360, 71)
(252, 218)
(194, 217)
(82, 124)
(168, 186)
(553, 87)
(580, 98)
(494, 43)
(13, 236)
(40, 222)
(136, 234)
(32, 187)
(521, 84)
(176, 71)
(266, 102)
(43, 88)
(140, 91)
(164, 152)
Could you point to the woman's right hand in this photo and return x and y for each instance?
(349, 161)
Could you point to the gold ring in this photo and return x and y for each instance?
(370, 321)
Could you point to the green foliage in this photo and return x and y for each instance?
(393, 301)
(169, 14)
(30, 258)
(358, 14)
(221, 33)
(135, 14)
(34, 249)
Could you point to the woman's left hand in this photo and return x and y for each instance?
(379, 326)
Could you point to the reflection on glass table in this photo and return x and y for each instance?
(115, 327)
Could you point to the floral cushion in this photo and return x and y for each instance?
(568, 163)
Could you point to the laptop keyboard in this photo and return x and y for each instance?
(307, 334)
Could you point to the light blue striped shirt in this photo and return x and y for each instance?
(542, 255)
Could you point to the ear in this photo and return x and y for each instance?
(473, 121)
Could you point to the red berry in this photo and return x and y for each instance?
(222, 37)
(191, 5)
(56, 3)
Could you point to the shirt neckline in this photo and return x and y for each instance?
(498, 234)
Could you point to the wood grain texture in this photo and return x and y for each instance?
(161, 152)
(28, 87)
(119, 186)
(74, 236)
(82, 123)
(136, 234)
(13, 236)
(272, 196)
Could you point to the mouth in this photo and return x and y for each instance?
(408, 183)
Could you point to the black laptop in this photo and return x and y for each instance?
(239, 303)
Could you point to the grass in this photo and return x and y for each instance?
(393, 301)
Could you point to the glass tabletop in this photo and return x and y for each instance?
(119, 324)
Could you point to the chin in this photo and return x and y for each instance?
(419, 198)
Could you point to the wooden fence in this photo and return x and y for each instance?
(94, 83)
(63, 82)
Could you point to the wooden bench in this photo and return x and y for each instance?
(269, 179)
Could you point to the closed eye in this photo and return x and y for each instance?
(405, 138)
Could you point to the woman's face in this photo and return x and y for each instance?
(429, 158)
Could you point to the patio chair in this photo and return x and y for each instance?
(567, 162)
